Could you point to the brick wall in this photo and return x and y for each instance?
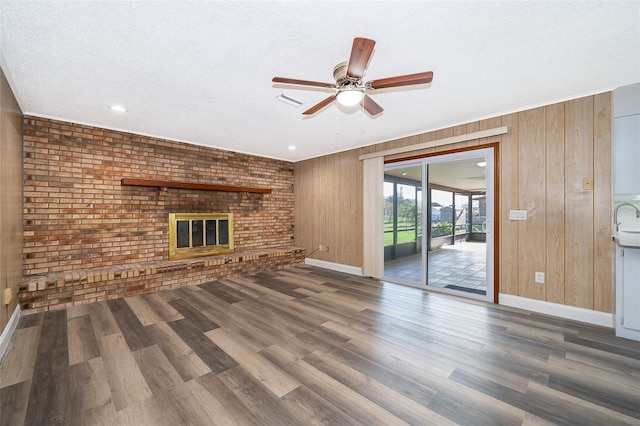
(78, 216)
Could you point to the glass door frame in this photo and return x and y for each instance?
(391, 251)
(490, 152)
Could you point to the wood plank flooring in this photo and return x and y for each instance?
(311, 346)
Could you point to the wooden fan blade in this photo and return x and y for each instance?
(317, 107)
(303, 82)
(360, 53)
(371, 106)
(401, 80)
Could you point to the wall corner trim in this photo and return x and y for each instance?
(339, 267)
(7, 333)
(563, 311)
(496, 131)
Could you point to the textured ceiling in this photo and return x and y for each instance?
(201, 72)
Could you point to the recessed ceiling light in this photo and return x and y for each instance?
(292, 147)
(481, 164)
(118, 108)
(404, 174)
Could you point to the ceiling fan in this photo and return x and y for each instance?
(350, 88)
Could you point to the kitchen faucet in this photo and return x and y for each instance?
(615, 212)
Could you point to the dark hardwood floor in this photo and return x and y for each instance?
(310, 346)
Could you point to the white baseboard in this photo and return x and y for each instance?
(563, 311)
(347, 269)
(5, 338)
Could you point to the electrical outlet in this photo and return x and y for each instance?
(320, 248)
(539, 277)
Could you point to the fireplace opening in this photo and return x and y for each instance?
(200, 234)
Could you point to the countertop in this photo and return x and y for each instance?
(628, 233)
(627, 239)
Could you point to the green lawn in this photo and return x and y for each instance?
(403, 237)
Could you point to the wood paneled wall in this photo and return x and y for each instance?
(10, 198)
(328, 207)
(544, 159)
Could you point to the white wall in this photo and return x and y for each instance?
(626, 143)
(626, 100)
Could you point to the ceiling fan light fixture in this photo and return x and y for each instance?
(350, 97)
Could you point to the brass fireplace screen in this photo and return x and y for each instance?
(200, 234)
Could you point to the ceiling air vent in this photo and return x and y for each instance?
(288, 99)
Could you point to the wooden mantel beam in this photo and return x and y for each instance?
(191, 185)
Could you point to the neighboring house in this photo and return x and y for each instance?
(446, 213)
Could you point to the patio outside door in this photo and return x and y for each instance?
(438, 231)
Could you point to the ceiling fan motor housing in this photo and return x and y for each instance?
(340, 75)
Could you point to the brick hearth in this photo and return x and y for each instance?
(61, 290)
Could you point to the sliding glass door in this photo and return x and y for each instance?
(449, 247)
(402, 216)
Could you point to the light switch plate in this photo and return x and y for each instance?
(517, 214)
(8, 296)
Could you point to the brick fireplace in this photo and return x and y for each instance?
(78, 217)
